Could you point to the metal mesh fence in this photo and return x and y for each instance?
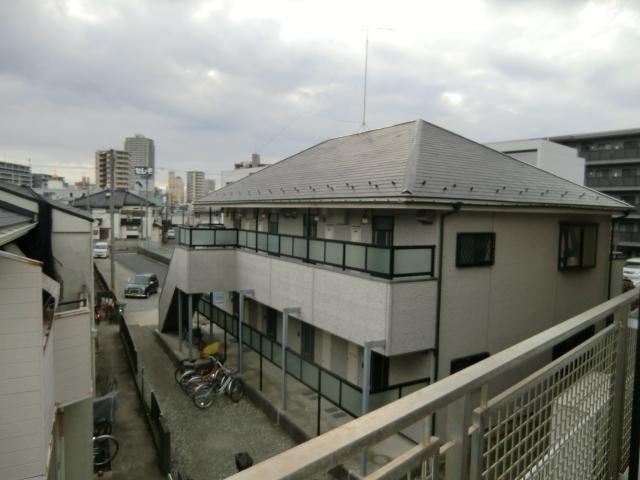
(557, 422)
(628, 400)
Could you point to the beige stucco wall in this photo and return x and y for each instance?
(352, 306)
(23, 403)
(489, 308)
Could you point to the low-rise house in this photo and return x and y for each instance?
(133, 215)
(443, 249)
(46, 324)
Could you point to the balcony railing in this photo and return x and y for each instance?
(389, 262)
(629, 237)
(570, 418)
(623, 153)
(329, 386)
(623, 181)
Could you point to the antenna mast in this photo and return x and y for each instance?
(363, 125)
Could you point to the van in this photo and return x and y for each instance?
(101, 250)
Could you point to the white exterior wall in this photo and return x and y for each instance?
(72, 355)
(558, 159)
(72, 247)
(491, 307)
(24, 399)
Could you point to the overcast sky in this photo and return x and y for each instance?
(213, 81)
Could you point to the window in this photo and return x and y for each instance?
(578, 244)
(382, 231)
(475, 249)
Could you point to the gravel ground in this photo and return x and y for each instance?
(204, 441)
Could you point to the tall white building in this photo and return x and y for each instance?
(196, 185)
(143, 154)
(175, 187)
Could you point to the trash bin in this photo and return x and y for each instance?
(243, 461)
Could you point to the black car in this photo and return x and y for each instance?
(142, 285)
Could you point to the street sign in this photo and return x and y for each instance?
(143, 170)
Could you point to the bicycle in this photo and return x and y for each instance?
(105, 450)
(203, 394)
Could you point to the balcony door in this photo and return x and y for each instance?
(379, 371)
(308, 340)
(272, 323)
(382, 227)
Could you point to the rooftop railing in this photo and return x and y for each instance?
(388, 262)
(568, 417)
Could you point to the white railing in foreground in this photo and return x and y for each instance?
(568, 419)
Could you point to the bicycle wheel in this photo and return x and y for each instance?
(178, 375)
(236, 390)
(105, 449)
(203, 399)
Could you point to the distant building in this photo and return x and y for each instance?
(242, 169)
(211, 186)
(39, 180)
(196, 185)
(613, 167)
(15, 173)
(175, 188)
(143, 154)
(122, 165)
(557, 159)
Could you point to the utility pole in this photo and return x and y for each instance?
(146, 205)
(111, 215)
(363, 125)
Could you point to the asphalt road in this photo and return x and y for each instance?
(139, 311)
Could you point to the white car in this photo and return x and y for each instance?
(171, 233)
(631, 270)
(101, 250)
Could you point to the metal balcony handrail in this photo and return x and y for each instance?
(383, 264)
(334, 447)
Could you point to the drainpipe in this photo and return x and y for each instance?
(614, 220)
(436, 352)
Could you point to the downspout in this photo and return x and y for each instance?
(456, 208)
(614, 220)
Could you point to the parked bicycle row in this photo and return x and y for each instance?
(205, 379)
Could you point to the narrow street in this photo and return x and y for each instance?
(203, 441)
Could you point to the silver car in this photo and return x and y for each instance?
(631, 270)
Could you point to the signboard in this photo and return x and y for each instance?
(143, 170)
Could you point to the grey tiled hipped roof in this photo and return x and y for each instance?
(120, 198)
(410, 162)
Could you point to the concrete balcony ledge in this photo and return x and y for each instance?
(356, 306)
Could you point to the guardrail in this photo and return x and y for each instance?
(570, 418)
(153, 413)
(389, 262)
(337, 390)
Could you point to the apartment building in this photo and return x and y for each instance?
(196, 185)
(142, 152)
(15, 173)
(440, 249)
(242, 169)
(122, 164)
(613, 167)
(46, 300)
